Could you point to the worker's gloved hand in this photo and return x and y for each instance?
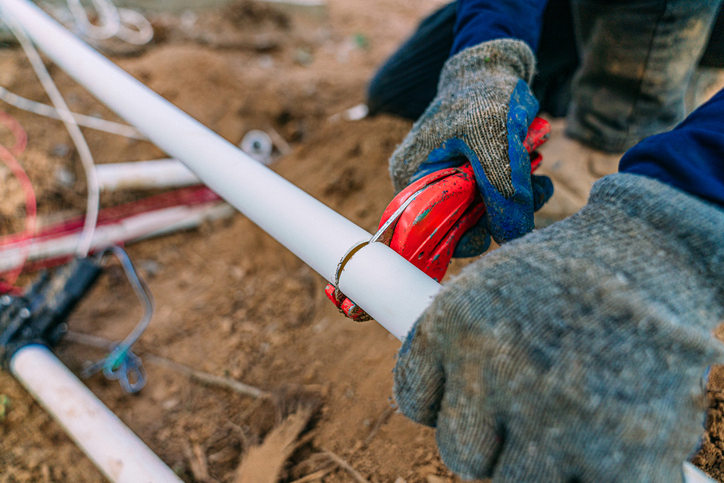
(578, 352)
(481, 114)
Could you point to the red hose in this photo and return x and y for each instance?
(9, 157)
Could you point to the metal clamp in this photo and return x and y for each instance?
(340, 267)
(383, 235)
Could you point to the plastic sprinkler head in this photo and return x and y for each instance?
(258, 145)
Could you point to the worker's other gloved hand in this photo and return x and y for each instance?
(481, 114)
(578, 352)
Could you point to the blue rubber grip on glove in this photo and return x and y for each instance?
(505, 218)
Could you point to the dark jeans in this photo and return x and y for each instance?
(618, 69)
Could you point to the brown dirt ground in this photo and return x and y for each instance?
(230, 300)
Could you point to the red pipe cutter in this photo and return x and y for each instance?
(425, 221)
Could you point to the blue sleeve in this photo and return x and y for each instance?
(689, 157)
(482, 20)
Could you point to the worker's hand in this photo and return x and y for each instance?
(481, 114)
(578, 352)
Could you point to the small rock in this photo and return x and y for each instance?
(434, 479)
(150, 268)
(169, 404)
(237, 273)
(303, 56)
(266, 61)
(188, 20)
(226, 326)
(65, 177)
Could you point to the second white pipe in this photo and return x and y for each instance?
(159, 173)
(119, 453)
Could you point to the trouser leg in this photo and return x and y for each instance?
(714, 53)
(637, 60)
(557, 59)
(407, 83)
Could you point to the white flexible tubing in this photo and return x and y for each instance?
(115, 449)
(115, 21)
(106, 11)
(392, 291)
(143, 31)
(692, 474)
(159, 173)
(76, 135)
(82, 120)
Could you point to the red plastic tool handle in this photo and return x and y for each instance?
(447, 204)
(429, 229)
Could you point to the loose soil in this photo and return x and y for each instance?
(232, 301)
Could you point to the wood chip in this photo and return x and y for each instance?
(264, 463)
(197, 461)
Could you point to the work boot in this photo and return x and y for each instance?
(573, 167)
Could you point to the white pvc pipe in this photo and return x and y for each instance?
(134, 228)
(115, 449)
(159, 173)
(392, 291)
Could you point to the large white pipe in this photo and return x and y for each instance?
(117, 452)
(692, 474)
(314, 232)
(385, 285)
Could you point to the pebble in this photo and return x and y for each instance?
(266, 61)
(303, 57)
(60, 150)
(169, 404)
(65, 177)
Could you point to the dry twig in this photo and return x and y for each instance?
(207, 378)
(201, 376)
(314, 476)
(345, 466)
(384, 417)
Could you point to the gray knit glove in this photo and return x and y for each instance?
(577, 352)
(481, 114)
